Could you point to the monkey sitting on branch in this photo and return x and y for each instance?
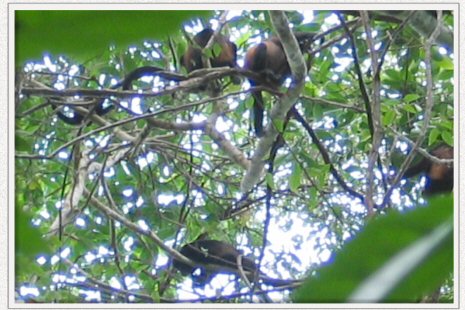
(213, 257)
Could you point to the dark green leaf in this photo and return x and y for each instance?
(377, 245)
(84, 34)
(411, 97)
(447, 137)
(433, 136)
(295, 179)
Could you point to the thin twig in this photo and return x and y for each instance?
(359, 73)
(324, 153)
(377, 133)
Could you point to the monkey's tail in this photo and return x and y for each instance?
(258, 112)
(70, 120)
(136, 74)
(258, 65)
(125, 84)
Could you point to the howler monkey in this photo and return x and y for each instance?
(269, 59)
(439, 177)
(220, 254)
(192, 59)
(210, 252)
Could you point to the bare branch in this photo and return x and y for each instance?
(375, 115)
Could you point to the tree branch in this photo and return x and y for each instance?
(375, 116)
(428, 108)
(280, 109)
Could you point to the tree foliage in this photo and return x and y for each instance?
(102, 208)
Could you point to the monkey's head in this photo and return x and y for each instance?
(305, 39)
(202, 38)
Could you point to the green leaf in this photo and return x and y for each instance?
(313, 202)
(390, 102)
(389, 117)
(217, 49)
(208, 53)
(295, 178)
(28, 240)
(447, 124)
(424, 235)
(433, 136)
(446, 63)
(325, 66)
(392, 74)
(249, 102)
(84, 34)
(22, 144)
(447, 137)
(411, 97)
(445, 75)
(269, 181)
(317, 111)
(279, 124)
(310, 90)
(409, 108)
(386, 278)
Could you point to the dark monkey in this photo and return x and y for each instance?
(211, 252)
(439, 177)
(220, 254)
(269, 59)
(192, 59)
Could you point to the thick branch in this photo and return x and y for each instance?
(280, 109)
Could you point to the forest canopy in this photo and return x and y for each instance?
(141, 176)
